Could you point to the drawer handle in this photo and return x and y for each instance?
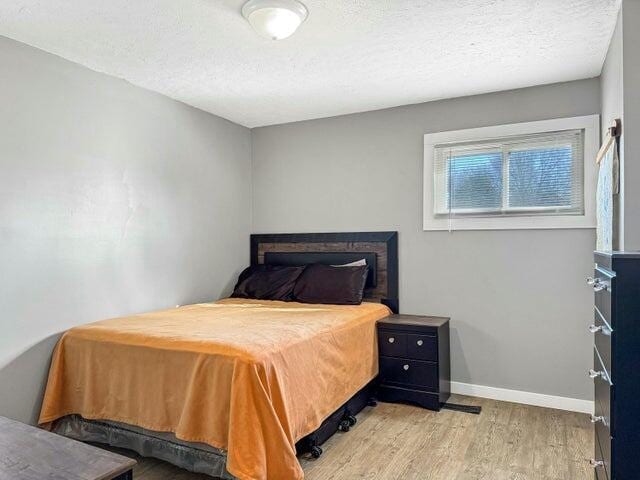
(594, 374)
(596, 463)
(419, 343)
(595, 328)
(405, 367)
(598, 284)
(597, 419)
(391, 339)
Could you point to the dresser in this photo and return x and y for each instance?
(414, 360)
(616, 365)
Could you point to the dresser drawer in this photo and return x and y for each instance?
(412, 373)
(603, 386)
(602, 333)
(602, 417)
(602, 471)
(603, 438)
(392, 343)
(606, 279)
(422, 347)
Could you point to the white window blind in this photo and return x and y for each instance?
(521, 175)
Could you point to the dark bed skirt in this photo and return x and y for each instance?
(195, 457)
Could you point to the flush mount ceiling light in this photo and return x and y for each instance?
(274, 19)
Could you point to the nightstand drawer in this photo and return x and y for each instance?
(392, 344)
(414, 373)
(422, 347)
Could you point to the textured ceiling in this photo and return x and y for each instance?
(349, 56)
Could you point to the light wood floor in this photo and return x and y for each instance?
(506, 441)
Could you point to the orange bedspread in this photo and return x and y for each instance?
(250, 377)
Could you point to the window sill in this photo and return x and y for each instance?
(512, 223)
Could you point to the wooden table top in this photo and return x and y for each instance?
(410, 320)
(30, 453)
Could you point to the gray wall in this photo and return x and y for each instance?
(612, 107)
(113, 200)
(631, 122)
(517, 299)
(620, 92)
(611, 83)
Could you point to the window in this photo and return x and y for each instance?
(537, 174)
(528, 175)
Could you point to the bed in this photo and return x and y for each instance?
(233, 388)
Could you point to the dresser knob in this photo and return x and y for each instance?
(595, 328)
(391, 339)
(597, 419)
(419, 343)
(596, 463)
(405, 366)
(594, 374)
(598, 284)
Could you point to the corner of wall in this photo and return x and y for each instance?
(251, 181)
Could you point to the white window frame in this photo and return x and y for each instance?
(591, 126)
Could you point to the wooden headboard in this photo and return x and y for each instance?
(380, 249)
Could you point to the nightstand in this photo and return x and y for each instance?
(414, 360)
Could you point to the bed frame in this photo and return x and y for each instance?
(380, 250)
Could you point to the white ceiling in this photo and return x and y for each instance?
(349, 56)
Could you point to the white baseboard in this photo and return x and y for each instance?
(528, 398)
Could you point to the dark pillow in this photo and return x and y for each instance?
(267, 282)
(327, 284)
